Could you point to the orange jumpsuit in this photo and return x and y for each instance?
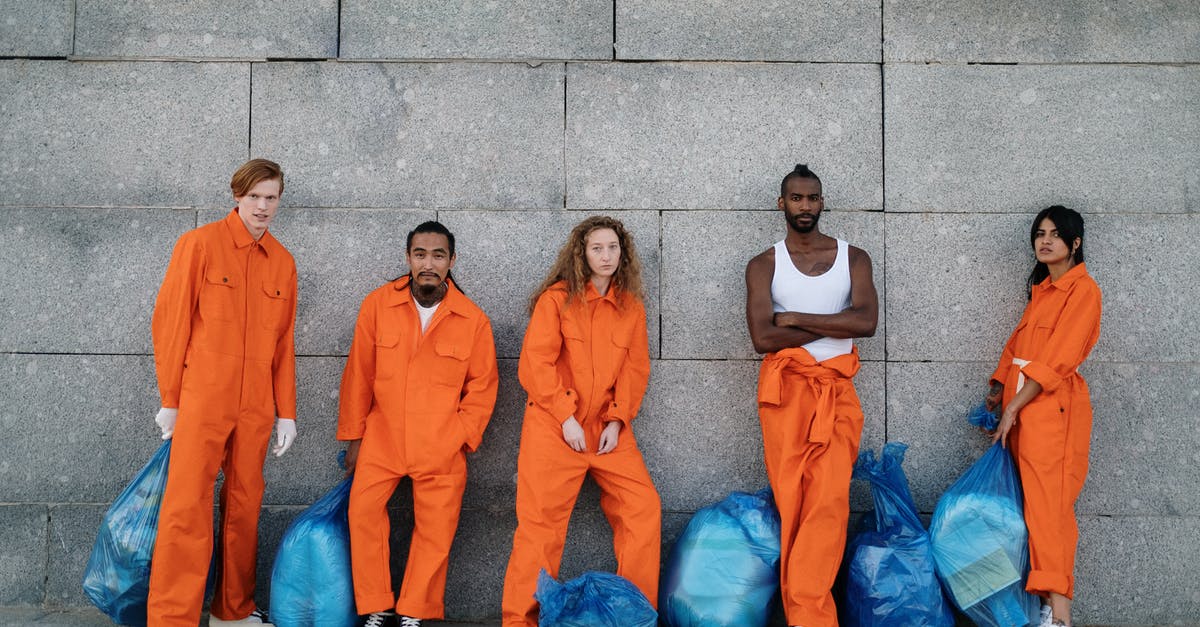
(811, 424)
(418, 401)
(224, 355)
(1052, 434)
(587, 358)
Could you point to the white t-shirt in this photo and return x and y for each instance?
(426, 314)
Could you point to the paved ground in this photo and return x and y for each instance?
(22, 617)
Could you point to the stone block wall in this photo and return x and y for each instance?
(939, 129)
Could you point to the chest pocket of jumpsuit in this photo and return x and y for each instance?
(385, 355)
(451, 366)
(219, 296)
(276, 306)
(621, 342)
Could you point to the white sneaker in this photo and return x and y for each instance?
(408, 621)
(379, 619)
(257, 617)
(1046, 617)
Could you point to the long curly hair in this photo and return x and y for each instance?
(572, 267)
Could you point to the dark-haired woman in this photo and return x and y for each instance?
(1047, 414)
(585, 363)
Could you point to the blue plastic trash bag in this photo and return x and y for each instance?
(980, 416)
(117, 577)
(724, 568)
(981, 545)
(592, 600)
(891, 579)
(311, 583)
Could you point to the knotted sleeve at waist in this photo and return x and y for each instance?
(821, 377)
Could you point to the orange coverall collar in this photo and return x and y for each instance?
(590, 293)
(1067, 281)
(242, 238)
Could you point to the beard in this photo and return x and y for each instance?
(795, 225)
(425, 292)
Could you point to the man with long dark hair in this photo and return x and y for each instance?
(806, 298)
(417, 393)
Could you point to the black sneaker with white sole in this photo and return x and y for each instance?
(381, 619)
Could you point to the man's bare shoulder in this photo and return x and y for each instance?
(858, 255)
(765, 258)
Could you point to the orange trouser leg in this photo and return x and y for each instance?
(370, 527)
(241, 500)
(183, 546)
(549, 475)
(437, 501)
(811, 483)
(631, 504)
(1051, 449)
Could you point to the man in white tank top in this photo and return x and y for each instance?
(807, 297)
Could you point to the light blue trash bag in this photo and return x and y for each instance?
(724, 567)
(117, 577)
(592, 599)
(980, 544)
(311, 582)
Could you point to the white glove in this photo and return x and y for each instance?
(285, 434)
(165, 419)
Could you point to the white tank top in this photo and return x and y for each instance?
(792, 290)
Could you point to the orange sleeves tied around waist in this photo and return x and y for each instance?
(1056, 333)
(436, 390)
(588, 358)
(223, 351)
(811, 425)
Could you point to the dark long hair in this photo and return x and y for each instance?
(801, 171)
(432, 226)
(1069, 225)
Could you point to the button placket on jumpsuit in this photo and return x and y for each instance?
(223, 329)
(416, 401)
(1052, 435)
(587, 357)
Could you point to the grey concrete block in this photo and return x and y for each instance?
(106, 133)
(1029, 31)
(639, 137)
(73, 529)
(463, 29)
(76, 428)
(927, 405)
(700, 435)
(764, 31)
(1145, 266)
(35, 28)
(309, 469)
(206, 28)
(79, 617)
(1137, 571)
(1142, 463)
(1016, 138)
(704, 295)
(500, 269)
(956, 284)
(341, 256)
(699, 431)
(83, 280)
(461, 135)
(22, 553)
